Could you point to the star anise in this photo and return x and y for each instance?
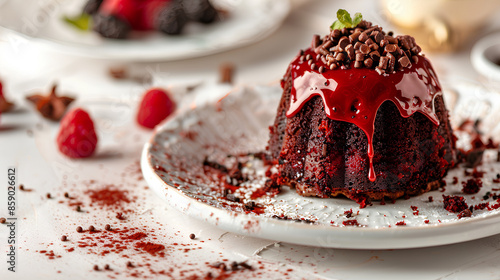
(51, 106)
(4, 104)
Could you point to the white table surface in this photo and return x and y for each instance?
(27, 143)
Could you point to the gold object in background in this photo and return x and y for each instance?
(439, 25)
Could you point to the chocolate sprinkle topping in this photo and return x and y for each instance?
(364, 46)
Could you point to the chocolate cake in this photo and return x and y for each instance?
(361, 115)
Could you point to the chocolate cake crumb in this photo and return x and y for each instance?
(464, 213)
(474, 158)
(455, 203)
(352, 222)
(348, 213)
(472, 186)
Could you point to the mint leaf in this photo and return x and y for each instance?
(344, 17)
(357, 19)
(344, 20)
(337, 25)
(81, 22)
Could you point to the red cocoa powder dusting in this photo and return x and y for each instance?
(152, 248)
(109, 195)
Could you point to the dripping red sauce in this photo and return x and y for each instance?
(354, 95)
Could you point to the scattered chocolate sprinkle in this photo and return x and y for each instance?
(246, 266)
(64, 238)
(120, 216)
(91, 228)
(106, 267)
(364, 46)
(107, 227)
(21, 187)
(232, 197)
(226, 73)
(130, 264)
(192, 236)
(78, 208)
(3, 220)
(96, 267)
(118, 73)
(250, 205)
(79, 229)
(66, 195)
(48, 195)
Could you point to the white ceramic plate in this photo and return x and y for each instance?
(172, 163)
(41, 22)
(485, 56)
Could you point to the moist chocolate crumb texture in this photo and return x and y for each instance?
(361, 115)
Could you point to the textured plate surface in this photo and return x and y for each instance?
(41, 22)
(172, 164)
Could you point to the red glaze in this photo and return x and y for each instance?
(354, 95)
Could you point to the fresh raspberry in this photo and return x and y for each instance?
(139, 14)
(156, 106)
(123, 9)
(77, 137)
(150, 13)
